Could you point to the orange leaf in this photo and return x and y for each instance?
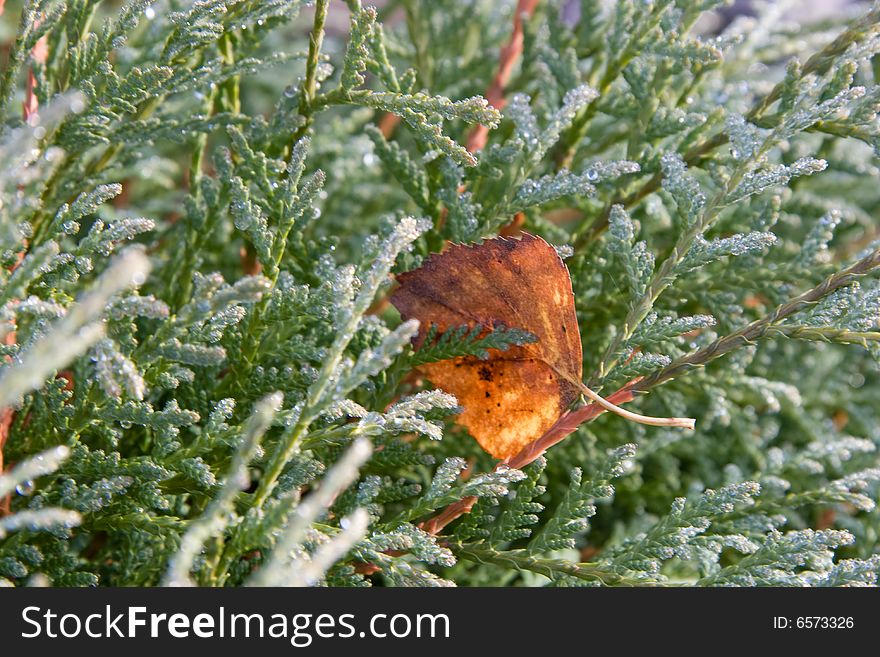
(516, 395)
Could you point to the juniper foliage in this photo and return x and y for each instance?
(202, 205)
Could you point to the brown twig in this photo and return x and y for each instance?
(510, 55)
(30, 105)
(30, 108)
(40, 54)
(388, 124)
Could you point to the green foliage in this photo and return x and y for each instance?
(202, 209)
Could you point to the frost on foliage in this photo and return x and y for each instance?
(566, 183)
(656, 328)
(412, 539)
(524, 120)
(73, 334)
(634, 257)
(290, 562)
(706, 251)
(116, 373)
(774, 176)
(20, 480)
(357, 51)
(574, 101)
(852, 307)
(746, 139)
(683, 187)
(446, 487)
(463, 212)
(683, 532)
(519, 509)
(371, 361)
(796, 558)
(640, 364)
(815, 246)
(408, 414)
(218, 513)
(571, 517)
(423, 114)
(401, 165)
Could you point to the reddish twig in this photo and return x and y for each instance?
(452, 512)
(249, 263)
(514, 228)
(388, 124)
(7, 415)
(40, 54)
(30, 107)
(510, 55)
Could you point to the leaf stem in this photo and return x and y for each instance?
(683, 422)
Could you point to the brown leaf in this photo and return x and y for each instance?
(516, 395)
(513, 397)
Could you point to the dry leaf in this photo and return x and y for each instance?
(514, 396)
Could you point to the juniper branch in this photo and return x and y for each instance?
(309, 85)
(765, 326)
(823, 334)
(551, 568)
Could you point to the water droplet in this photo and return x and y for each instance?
(25, 488)
(53, 154)
(150, 13)
(39, 132)
(125, 424)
